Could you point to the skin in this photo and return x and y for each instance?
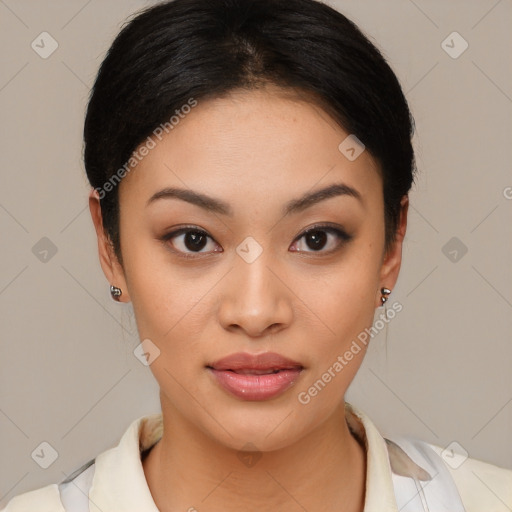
(255, 151)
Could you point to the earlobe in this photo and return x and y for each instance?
(393, 259)
(108, 260)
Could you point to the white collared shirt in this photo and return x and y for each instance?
(115, 481)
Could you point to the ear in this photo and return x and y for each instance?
(392, 259)
(108, 260)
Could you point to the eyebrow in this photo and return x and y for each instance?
(214, 205)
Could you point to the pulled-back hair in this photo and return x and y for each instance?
(203, 49)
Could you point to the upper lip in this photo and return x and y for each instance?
(247, 361)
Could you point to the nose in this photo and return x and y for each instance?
(256, 299)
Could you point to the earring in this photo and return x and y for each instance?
(115, 292)
(384, 295)
(383, 299)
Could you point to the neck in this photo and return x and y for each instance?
(324, 471)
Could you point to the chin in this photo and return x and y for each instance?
(255, 425)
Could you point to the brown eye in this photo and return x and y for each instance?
(190, 240)
(194, 240)
(316, 240)
(321, 237)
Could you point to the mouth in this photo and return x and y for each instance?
(255, 376)
(254, 371)
(257, 364)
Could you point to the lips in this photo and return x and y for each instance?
(256, 364)
(255, 376)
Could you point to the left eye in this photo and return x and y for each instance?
(317, 238)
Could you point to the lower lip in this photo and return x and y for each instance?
(256, 387)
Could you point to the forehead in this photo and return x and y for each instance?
(260, 144)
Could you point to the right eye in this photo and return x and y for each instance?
(190, 240)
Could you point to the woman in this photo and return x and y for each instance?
(250, 164)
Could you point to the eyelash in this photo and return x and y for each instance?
(343, 238)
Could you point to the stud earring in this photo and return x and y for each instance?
(115, 292)
(384, 292)
(384, 295)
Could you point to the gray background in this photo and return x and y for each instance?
(68, 373)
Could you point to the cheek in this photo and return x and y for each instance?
(163, 292)
(344, 294)
(345, 301)
(171, 311)
(173, 307)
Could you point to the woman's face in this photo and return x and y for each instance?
(250, 280)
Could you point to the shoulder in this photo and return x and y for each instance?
(44, 499)
(482, 486)
(70, 494)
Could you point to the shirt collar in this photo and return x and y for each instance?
(380, 493)
(119, 482)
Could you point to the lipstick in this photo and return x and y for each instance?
(255, 376)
